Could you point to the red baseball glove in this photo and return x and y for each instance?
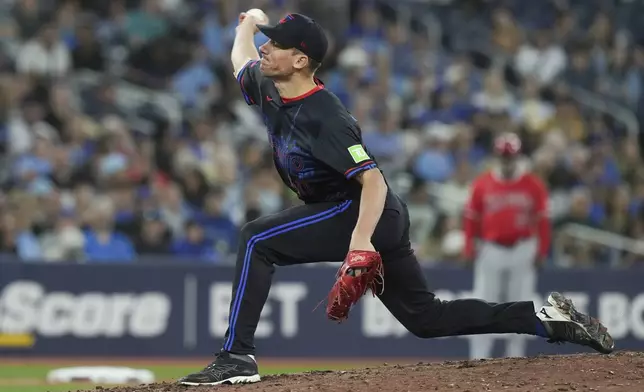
(361, 271)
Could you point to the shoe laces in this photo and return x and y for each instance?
(212, 364)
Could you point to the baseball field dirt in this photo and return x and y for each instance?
(622, 371)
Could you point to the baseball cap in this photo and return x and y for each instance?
(299, 32)
(507, 144)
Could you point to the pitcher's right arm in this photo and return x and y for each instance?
(244, 44)
(245, 58)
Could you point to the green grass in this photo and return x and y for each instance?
(12, 375)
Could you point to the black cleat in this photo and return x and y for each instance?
(565, 324)
(227, 368)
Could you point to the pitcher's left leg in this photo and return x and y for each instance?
(408, 298)
(426, 316)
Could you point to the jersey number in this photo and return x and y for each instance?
(521, 219)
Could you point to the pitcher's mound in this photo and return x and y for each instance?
(622, 371)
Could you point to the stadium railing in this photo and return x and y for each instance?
(606, 106)
(616, 245)
(131, 96)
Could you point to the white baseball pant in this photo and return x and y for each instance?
(502, 270)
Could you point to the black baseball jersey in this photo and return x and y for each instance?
(317, 144)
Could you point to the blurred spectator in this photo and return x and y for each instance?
(65, 242)
(35, 165)
(102, 242)
(125, 212)
(618, 213)
(494, 97)
(87, 53)
(452, 195)
(532, 111)
(104, 102)
(581, 71)
(434, 163)
(173, 209)
(146, 23)
(28, 15)
(452, 240)
(621, 81)
(543, 59)
(580, 210)
(195, 82)
(194, 245)
(506, 33)
(204, 150)
(195, 188)
(154, 236)
(25, 240)
(218, 226)
(123, 132)
(386, 142)
(26, 125)
(45, 55)
(422, 217)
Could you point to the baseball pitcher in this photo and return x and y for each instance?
(507, 235)
(348, 213)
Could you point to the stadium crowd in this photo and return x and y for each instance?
(124, 135)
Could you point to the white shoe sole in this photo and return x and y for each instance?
(232, 380)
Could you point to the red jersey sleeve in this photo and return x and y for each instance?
(472, 217)
(542, 216)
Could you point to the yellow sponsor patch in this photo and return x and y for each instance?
(17, 339)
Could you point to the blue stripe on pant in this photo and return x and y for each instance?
(330, 213)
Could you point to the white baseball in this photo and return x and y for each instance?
(259, 15)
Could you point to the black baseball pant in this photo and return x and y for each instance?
(322, 232)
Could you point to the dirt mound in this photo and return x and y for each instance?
(623, 371)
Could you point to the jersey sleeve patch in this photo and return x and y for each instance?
(358, 153)
(339, 147)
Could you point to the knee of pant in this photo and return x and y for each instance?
(249, 230)
(425, 324)
(421, 332)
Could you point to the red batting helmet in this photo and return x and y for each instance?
(507, 144)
